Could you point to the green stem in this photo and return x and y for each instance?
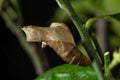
(106, 64)
(86, 41)
(97, 70)
(98, 49)
(14, 28)
(64, 4)
(91, 20)
(88, 25)
(106, 60)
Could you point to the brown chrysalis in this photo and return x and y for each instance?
(59, 38)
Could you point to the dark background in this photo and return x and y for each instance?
(15, 63)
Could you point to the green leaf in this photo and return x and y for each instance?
(116, 16)
(111, 6)
(69, 72)
(104, 7)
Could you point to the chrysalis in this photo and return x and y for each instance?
(59, 38)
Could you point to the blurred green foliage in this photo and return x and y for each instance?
(1, 3)
(85, 8)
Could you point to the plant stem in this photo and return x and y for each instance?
(106, 64)
(64, 4)
(97, 70)
(91, 20)
(16, 31)
(86, 41)
(106, 60)
(98, 49)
